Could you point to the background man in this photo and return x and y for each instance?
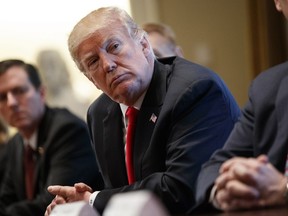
(163, 40)
(4, 135)
(51, 147)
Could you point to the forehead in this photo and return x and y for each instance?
(102, 38)
(14, 75)
(104, 34)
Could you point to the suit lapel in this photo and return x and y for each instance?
(43, 130)
(149, 113)
(278, 151)
(114, 145)
(19, 170)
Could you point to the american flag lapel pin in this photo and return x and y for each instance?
(153, 118)
(40, 151)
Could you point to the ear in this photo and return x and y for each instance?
(278, 5)
(146, 48)
(179, 51)
(42, 92)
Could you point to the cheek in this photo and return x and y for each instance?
(3, 113)
(99, 79)
(34, 104)
(98, 83)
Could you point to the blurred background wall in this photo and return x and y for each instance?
(237, 39)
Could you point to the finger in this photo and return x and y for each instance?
(64, 191)
(232, 162)
(56, 201)
(223, 200)
(263, 159)
(49, 209)
(227, 200)
(59, 200)
(81, 187)
(238, 204)
(54, 189)
(226, 165)
(222, 197)
(239, 190)
(248, 162)
(222, 180)
(251, 174)
(47, 212)
(244, 174)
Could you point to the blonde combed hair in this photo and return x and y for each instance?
(96, 20)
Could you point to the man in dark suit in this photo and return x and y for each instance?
(3, 141)
(185, 113)
(249, 172)
(58, 140)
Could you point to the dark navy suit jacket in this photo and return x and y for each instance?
(195, 114)
(262, 129)
(64, 156)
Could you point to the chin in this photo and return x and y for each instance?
(21, 124)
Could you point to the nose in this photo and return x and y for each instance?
(11, 99)
(108, 64)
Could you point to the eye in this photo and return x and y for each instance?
(92, 64)
(3, 97)
(113, 47)
(17, 92)
(20, 90)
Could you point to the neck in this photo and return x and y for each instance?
(27, 133)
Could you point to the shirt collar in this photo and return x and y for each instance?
(32, 141)
(137, 105)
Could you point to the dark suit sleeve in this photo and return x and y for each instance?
(239, 143)
(191, 127)
(67, 159)
(3, 160)
(262, 128)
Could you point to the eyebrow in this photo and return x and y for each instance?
(103, 43)
(87, 56)
(109, 39)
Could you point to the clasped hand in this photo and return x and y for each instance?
(67, 194)
(246, 183)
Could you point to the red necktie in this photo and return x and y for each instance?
(29, 171)
(131, 114)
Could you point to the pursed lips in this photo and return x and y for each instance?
(118, 79)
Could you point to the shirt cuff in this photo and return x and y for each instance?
(93, 197)
(212, 199)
